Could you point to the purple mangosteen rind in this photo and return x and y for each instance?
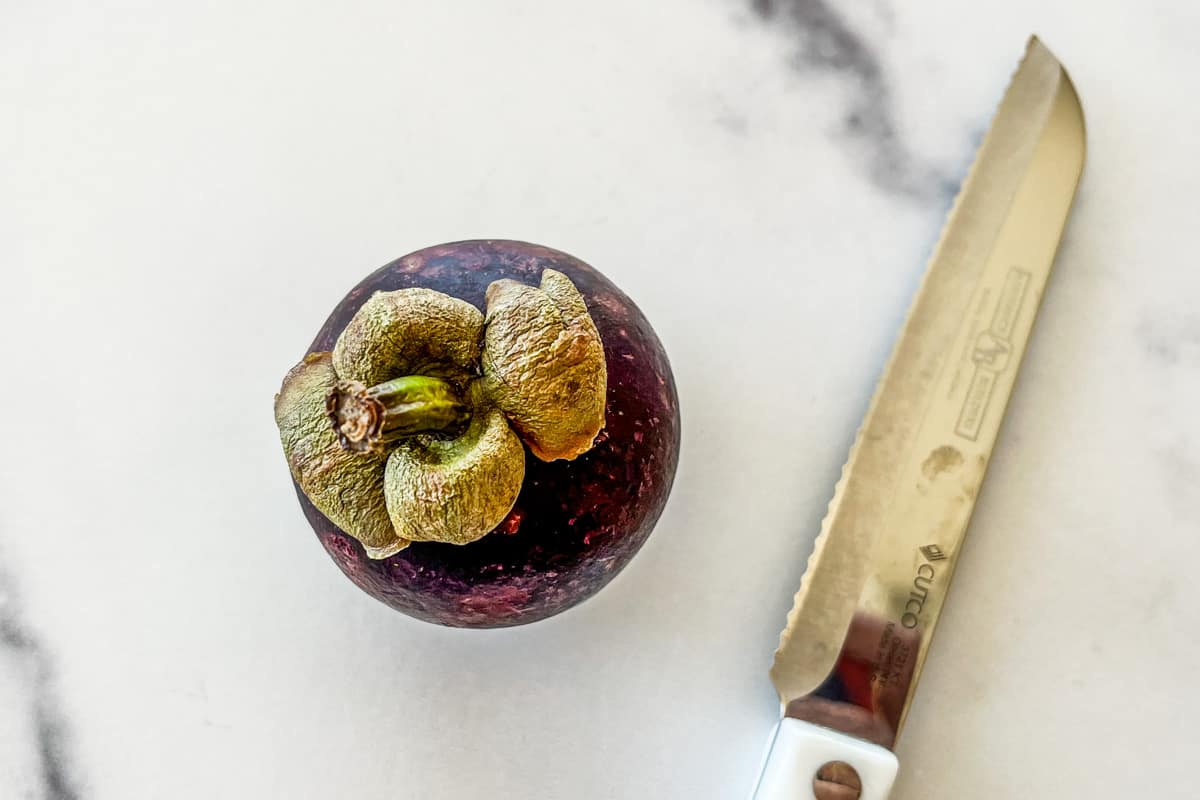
(599, 452)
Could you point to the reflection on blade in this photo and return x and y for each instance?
(881, 566)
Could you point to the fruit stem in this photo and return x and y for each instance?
(365, 418)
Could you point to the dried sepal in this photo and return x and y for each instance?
(344, 486)
(543, 364)
(409, 332)
(455, 490)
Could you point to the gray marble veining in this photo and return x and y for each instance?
(826, 42)
(34, 760)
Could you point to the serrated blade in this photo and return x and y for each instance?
(880, 568)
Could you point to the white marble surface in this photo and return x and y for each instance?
(186, 190)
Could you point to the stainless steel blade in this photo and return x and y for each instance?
(862, 620)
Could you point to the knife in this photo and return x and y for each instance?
(860, 627)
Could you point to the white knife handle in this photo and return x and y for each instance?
(798, 749)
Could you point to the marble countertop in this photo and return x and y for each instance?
(187, 190)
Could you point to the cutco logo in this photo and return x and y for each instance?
(921, 584)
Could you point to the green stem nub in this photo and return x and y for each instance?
(366, 418)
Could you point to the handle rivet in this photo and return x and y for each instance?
(837, 780)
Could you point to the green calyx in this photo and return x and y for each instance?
(369, 418)
(412, 428)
